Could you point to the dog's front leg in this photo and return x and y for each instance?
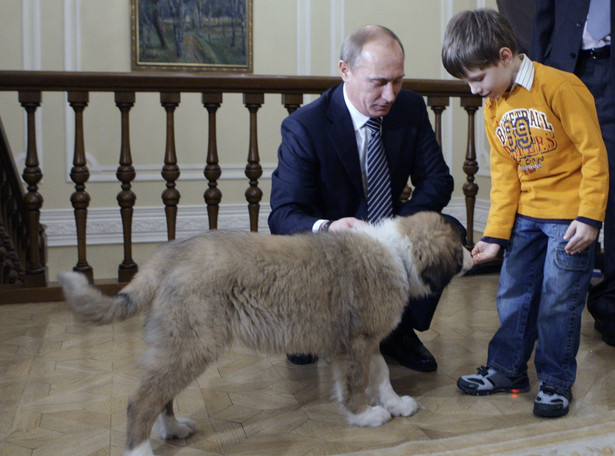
(382, 391)
(352, 380)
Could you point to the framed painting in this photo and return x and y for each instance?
(209, 35)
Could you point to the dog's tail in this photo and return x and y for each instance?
(92, 306)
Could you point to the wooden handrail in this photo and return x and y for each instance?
(197, 82)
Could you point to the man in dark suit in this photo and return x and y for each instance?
(320, 182)
(575, 36)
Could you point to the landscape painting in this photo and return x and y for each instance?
(210, 35)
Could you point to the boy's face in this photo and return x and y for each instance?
(492, 81)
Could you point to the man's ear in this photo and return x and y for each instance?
(506, 55)
(344, 70)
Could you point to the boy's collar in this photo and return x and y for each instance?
(525, 75)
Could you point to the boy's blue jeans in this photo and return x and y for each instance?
(540, 299)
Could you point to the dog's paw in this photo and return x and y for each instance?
(402, 406)
(168, 428)
(371, 417)
(145, 449)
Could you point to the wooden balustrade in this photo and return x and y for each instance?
(13, 242)
(170, 170)
(80, 174)
(126, 174)
(33, 201)
(254, 170)
(470, 165)
(30, 85)
(213, 195)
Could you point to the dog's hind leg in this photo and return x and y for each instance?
(144, 449)
(352, 380)
(167, 426)
(381, 390)
(159, 384)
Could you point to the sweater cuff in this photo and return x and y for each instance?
(590, 222)
(491, 240)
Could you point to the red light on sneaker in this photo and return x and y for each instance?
(515, 391)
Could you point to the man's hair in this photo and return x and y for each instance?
(352, 45)
(473, 40)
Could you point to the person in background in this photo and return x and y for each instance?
(347, 157)
(549, 186)
(575, 36)
(520, 16)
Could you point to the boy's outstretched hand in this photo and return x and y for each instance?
(581, 235)
(484, 251)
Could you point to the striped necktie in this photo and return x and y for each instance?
(379, 200)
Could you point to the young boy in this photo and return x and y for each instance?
(549, 186)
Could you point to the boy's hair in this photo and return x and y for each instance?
(352, 46)
(473, 40)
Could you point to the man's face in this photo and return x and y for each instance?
(373, 85)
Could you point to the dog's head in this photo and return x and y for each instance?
(437, 248)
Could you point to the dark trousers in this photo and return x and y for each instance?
(597, 74)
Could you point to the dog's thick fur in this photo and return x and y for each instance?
(336, 294)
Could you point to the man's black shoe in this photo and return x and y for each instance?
(301, 358)
(607, 331)
(406, 348)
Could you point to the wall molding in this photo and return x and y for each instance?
(189, 172)
(72, 62)
(304, 37)
(336, 34)
(104, 225)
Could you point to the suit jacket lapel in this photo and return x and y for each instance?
(343, 138)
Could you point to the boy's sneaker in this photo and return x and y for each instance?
(490, 381)
(552, 402)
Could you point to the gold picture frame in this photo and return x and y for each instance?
(192, 35)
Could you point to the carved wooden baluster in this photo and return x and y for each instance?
(36, 271)
(170, 170)
(12, 246)
(126, 198)
(254, 170)
(212, 172)
(470, 165)
(80, 174)
(292, 101)
(8, 273)
(438, 105)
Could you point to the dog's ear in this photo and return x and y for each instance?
(437, 247)
(442, 258)
(440, 269)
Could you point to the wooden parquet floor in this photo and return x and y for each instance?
(64, 388)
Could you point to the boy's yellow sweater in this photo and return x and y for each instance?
(548, 159)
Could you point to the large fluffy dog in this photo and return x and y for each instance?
(335, 294)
